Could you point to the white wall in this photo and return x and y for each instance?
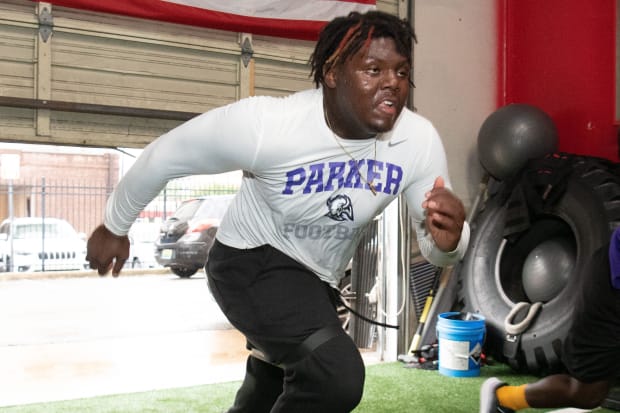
(455, 76)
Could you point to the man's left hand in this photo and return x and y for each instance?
(445, 215)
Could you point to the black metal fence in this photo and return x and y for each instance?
(83, 205)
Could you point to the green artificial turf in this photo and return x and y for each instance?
(390, 387)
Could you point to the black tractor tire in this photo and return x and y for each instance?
(490, 275)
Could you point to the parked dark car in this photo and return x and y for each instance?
(186, 237)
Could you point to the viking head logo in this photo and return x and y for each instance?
(340, 208)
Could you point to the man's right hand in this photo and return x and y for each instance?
(105, 251)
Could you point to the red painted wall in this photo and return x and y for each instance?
(560, 55)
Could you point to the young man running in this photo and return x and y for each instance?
(318, 165)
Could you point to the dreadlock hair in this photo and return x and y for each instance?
(341, 38)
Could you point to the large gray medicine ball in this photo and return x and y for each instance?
(512, 135)
(547, 269)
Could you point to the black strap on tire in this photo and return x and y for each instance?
(539, 185)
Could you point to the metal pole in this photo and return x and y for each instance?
(43, 224)
(165, 198)
(12, 228)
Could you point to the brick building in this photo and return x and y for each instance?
(62, 182)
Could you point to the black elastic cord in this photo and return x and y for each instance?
(366, 318)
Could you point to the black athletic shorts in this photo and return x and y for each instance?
(592, 347)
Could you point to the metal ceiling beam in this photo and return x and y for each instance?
(95, 109)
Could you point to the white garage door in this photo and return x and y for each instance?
(74, 77)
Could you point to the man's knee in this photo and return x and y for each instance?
(334, 371)
(344, 390)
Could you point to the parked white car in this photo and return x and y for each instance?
(41, 244)
(142, 237)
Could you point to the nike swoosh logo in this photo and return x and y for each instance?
(392, 144)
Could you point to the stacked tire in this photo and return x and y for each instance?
(572, 198)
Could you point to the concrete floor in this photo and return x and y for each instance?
(33, 374)
(72, 337)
